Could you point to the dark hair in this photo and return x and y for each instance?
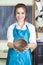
(18, 6)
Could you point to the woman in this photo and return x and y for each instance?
(20, 30)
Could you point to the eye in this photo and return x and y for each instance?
(18, 13)
(22, 12)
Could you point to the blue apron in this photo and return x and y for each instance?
(19, 58)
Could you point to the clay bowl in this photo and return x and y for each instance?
(20, 44)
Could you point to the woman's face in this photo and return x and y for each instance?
(20, 14)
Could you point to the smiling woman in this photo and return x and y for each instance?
(20, 35)
(7, 18)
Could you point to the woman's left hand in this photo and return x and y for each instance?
(26, 48)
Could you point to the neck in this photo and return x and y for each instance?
(21, 24)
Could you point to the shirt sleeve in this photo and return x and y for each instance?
(32, 31)
(32, 35)
(10, 34)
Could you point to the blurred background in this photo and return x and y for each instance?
(7, 18)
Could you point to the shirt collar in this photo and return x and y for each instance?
(18, 27)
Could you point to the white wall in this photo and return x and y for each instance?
(42, 2)
(13, 2)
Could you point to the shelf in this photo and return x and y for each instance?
(40, 37)
(3, 55)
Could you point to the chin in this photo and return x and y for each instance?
(20, 20)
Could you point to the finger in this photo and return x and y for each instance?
(25, 48)
(16, 49)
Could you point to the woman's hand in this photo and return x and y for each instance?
(16, 50)
(26, 48)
